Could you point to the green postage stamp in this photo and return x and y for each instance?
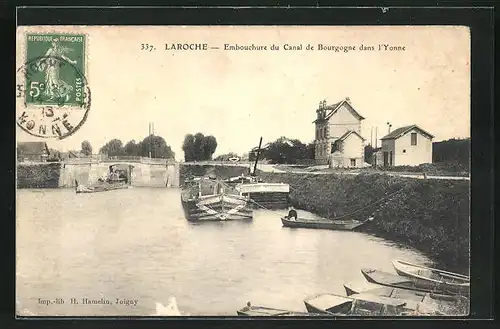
(51, 84)
(60, 63)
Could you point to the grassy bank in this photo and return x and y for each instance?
(429, 215)
(44, 175)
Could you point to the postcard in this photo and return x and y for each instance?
(242, 171)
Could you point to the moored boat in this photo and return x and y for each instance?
(398, 281)
(251, 310)
(445, 280)
(365, 304)
(262, 194)
(342, 225)
(101, 186)
(117, 178)
(208, 199)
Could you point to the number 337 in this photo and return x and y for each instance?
(147, 47)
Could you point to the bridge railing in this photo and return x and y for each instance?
(103, 158)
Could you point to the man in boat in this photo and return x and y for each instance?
(292, 214)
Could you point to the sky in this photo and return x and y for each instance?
(239, 96)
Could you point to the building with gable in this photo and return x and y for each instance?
(338, 140)
(407, 146)
(32, 151)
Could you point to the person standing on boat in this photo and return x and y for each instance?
(292, 214)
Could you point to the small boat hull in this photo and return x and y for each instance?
(267, 311)
(443, 280)
(100, 188)
(398, 281)
(366, 304)
(346, 225)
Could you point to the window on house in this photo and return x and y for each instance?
(353, 162)
(335, 146)
(413, 138)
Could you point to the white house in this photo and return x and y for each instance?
(407, 146)
(338, 140)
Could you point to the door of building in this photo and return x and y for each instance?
(386, 159)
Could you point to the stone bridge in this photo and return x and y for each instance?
(145, 172)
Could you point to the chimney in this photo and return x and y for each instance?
(348, 99)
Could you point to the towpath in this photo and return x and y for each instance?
(273, 169)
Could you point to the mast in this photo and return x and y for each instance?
(149, 139)
(257, 158)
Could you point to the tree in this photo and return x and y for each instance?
(132, 149)
(86, 148)
(54, 155)
(284, 150)
(209, 147)
(112, 148)
(199, 147)
(188, 148)
(158, 147)
(368, 153)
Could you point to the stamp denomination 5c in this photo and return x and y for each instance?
(52, 90)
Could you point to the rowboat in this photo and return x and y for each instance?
(357, 287)
(444, 304)
(341, 225)
(101, 186)
(251, 310)
(398, 281)
(208, 199)
(365, 304)
(426, 275)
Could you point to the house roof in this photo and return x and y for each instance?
(32, 148)
(335, 107)
(403, 130)
(347, 134)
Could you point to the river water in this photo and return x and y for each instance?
(136, 245)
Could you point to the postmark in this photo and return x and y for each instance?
(52, 92)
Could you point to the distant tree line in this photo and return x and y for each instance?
(199, 147)
(285, 151)
(152, 144)
(452, 151)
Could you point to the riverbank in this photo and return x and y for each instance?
(429, 215)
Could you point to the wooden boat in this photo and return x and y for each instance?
(262, 194)
(444, 280)
(443, 304)
(365, 304)
(208, 199)
(251, 310)
(342, 225)
(357, 287)
(101, 186)
(397, 281)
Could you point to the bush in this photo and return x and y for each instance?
(38, 175)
